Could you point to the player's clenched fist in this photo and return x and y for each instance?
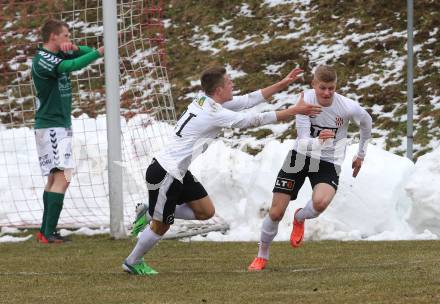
(68, 46)
(101, 50)
(326, 134)
(356, 165)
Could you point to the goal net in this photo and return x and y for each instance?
(147, 113)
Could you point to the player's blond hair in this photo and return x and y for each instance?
(325, 73)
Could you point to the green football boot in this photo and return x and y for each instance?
(142, 219)
(141, 269)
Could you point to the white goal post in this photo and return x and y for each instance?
(134, 104)
(117, 228)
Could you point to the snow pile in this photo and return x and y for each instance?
(423, 188)
(374, 206)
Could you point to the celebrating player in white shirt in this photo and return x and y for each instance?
(317, 154)
(173, 191)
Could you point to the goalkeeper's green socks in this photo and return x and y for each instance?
(43, 222)
(54, 207)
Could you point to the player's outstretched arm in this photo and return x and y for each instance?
(363, 119)
(301, 107)
(83, 49)
(66, 47)
(269, 91)
(70, 65)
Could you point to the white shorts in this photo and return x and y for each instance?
(54, 147)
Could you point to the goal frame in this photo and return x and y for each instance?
(112, 101)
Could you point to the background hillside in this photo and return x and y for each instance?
(365, 40)
(259, 42)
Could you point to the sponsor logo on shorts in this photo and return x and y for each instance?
(67, 155)
(44, 160)
(170, 219)
(284, 183)
(334, 183)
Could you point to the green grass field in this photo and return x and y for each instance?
(88, 270)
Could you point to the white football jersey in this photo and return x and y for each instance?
(202, 122)
(335, 117)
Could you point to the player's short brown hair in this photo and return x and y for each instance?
(325, 73)
(52, 26)
(212, 78)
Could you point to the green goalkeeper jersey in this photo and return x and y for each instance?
(50, 73)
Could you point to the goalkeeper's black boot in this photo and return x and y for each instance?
(56, 238)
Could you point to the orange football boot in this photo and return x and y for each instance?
(257, 264)
(297, 235)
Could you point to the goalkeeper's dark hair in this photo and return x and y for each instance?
(212, 78)
(52, 26)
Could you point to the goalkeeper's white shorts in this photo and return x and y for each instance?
(54, 147)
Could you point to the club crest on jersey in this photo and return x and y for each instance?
(284, 183)
(339, 121)
(201, 101)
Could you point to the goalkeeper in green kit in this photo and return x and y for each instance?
(51, 67)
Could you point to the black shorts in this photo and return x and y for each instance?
(165, 192)
(297, 167)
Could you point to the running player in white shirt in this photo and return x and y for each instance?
(173, 191)
(317, 154)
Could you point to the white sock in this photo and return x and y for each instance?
(308, 212)
(269, 230)
(146, 241)
(184, 212)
